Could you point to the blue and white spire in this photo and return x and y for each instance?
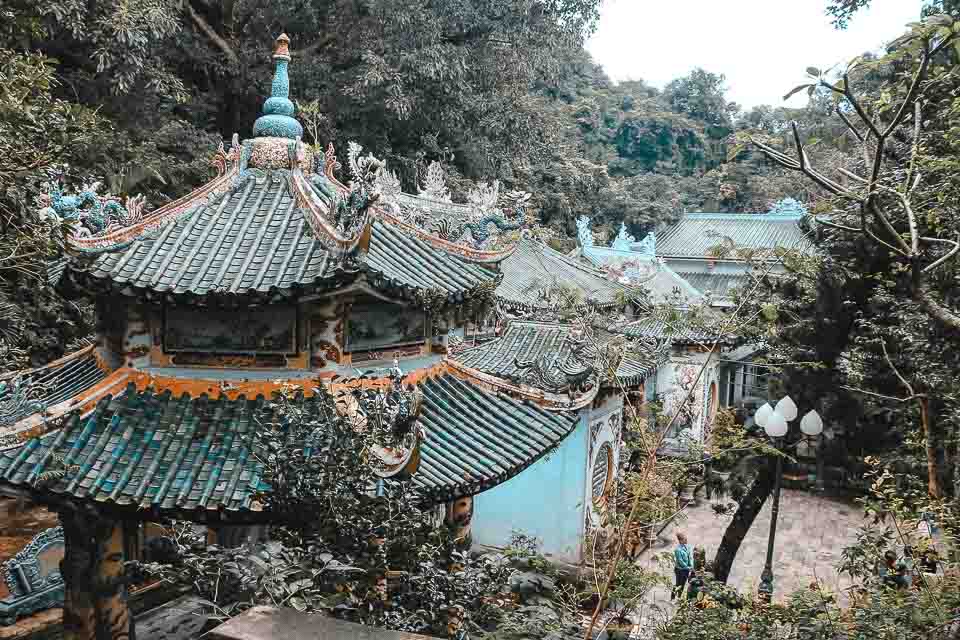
(277, 120)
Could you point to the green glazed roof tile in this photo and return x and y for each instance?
(186, 456)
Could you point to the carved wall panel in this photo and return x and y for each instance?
(262, 331)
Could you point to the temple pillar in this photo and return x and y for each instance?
(459, 517)
(95, 603)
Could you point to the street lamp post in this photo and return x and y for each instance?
(774, 422)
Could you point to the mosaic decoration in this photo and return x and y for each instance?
(788, 207)
(348, 211)
(223, 160)
(270, 331)
(624, 240)
(92, 214)
(487, 210)
(435, 183)
(570, 376)
(602, 471)
(388, 415)
(584, 234)
(19, 398)
(33, 577)
(277, 120)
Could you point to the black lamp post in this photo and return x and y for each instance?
(774, 422)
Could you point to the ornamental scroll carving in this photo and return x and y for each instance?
(33, 577)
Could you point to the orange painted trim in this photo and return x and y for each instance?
(39, 424)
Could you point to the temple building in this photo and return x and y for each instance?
(701, 260)
(281, 273)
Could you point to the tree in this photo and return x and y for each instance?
(882, 195)
(40, 135)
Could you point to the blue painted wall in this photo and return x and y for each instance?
(545, 501)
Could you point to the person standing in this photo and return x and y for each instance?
(682, 564)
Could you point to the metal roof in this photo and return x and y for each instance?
(534, 267)
(696, 234)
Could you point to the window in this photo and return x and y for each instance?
(376, 326)
(713, 403)
(271, 330)
(602, 472)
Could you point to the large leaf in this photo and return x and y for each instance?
(797, 89)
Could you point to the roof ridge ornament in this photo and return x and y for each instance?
(435, 183)
(277, 120)
(92, 214)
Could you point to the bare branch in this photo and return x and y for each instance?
(893, 367)
(852, 99)
(211, 33)
(849, 124)
(924, 297)
(939, 261)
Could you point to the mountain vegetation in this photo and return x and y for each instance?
(136, 97)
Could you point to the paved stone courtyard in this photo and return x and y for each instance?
(811, 535)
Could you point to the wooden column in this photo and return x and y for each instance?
(95, 604)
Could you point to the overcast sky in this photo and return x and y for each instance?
(762, 46)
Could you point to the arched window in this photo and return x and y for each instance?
(713, 403)
(602, 472)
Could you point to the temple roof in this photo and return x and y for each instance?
(477, 439)
(534, 269)
(277, 222)
(720, 286)
(552, 346)
(255, 239)
(183, 455)
(695, 235)
(668, 325)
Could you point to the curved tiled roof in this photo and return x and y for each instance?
(696, 234)
(657, 326)
(251, 238)
(149, 451)
(477, 439)
(184, 455)
(255, 239)
(411, 264)
(534, 266)
(719, 285)
(531, 341)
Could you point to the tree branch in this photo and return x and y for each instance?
(211, 33)
(924, 297)
(952, 252)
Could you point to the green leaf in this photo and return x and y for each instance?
(797, 89)
(813, 71)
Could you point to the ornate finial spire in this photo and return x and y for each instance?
(277, 119)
